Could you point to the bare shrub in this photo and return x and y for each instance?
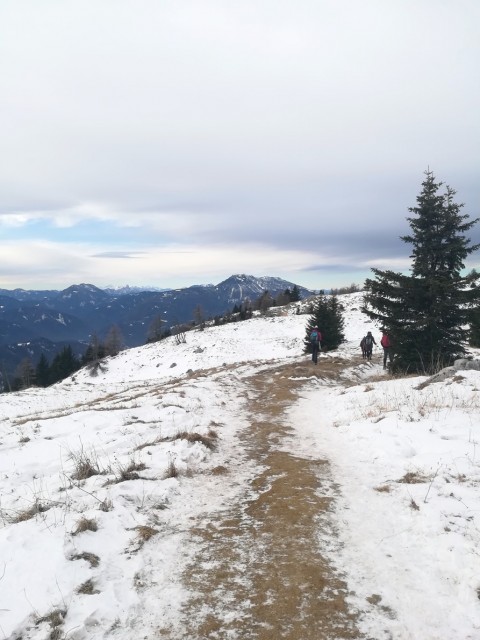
(95, 367)
(24, 439)
(85, 524)
(92, 558)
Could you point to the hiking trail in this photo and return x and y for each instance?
(259, 573)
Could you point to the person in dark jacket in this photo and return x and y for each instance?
(369, 342)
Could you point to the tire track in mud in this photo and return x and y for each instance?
(259, 573)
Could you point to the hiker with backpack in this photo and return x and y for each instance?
(369, 342)
(387, 348)
(315, 340)
(363, 348)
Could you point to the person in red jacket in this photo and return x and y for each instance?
(387, 348)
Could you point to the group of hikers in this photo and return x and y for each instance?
(366, 345)
(367, 342)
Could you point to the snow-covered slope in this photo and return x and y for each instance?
(101, 475)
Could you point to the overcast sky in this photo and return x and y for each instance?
(176, 142)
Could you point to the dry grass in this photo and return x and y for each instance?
(55, 619)
(219, 471)
(144, 533)
(129, 472)
(27, 514)
(172, 471)
(414, 505)
(85, 464)
(85, 524)
(87, 588)
(106, 505)
(92, 558)
(383, 488)
(208, 441)
(414, 477)
(150, 443)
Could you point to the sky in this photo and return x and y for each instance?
(175, 143)
(407, 550)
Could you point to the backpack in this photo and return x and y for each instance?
(314, 337)
(368, 341)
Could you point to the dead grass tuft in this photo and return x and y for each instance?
(150, 443)
(92, 558)
(208, 441)
(27, 514)
(414, 477)
(414, 505)
(219, 471)
(87, 588)
(85, 464)
(144, 533)
(129, 472)
(383, 488)
(55, 618)
(172, 471)
(85, 524)
(106, 505)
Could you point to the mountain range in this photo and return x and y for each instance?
(33, 322)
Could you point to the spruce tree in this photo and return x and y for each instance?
(42, 372)
(426, 312)
(327, 315)
(63, 364)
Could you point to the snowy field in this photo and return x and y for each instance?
(101, 474)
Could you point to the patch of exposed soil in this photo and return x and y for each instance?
(260, 574)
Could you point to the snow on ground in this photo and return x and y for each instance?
(406, 459)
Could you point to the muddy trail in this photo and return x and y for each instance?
(260, 574)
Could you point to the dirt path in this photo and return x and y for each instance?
(260, 574)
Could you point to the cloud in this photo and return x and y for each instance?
(299, 127)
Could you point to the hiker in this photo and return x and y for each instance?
(363, 348)
(387, 348)
(369, 342)
(315, 340)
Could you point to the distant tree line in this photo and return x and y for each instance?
(353, 288)
(65, 363)
(240, 311)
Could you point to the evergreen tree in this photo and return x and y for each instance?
(425, 313)
(63, 364)
(327, 315)
(295, 294)
(42, 372)
(95, 351)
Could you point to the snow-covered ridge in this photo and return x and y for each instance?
(405, 459)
